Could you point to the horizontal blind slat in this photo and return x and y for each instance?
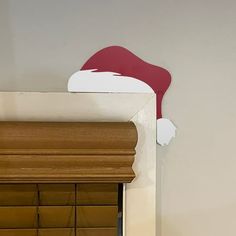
(18, 217)
(54, 211)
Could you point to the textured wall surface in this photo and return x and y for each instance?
(43, 42)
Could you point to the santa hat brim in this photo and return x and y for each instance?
(101, 82)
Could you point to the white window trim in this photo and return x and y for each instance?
(140, 195)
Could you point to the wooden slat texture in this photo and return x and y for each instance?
(41, 232)
(18, 217)
(46, 152)
(97, 232)
(57, 194)
(60, 232)
(18, 232)
(58, 209)
(96, 216)
(97, 194)
(57, 232)
(18, 195)
(56, 216)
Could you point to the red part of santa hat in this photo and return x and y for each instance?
(120, 60)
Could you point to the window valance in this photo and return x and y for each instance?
(67, 152)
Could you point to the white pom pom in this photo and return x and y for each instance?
(165, 131)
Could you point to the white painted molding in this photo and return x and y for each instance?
(37, 106)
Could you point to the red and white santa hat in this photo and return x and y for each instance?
(116, 69)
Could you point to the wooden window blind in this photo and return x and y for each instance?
(58, 209)
(63, 178)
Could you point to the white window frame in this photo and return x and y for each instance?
(140, 195)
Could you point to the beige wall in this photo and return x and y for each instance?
(43, 42)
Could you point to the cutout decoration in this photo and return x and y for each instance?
(102, 82)
(116, 69)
